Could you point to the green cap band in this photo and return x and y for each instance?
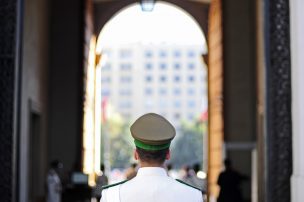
(151, 147)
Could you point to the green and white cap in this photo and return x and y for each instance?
(152, 132)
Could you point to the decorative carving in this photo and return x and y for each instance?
(7, 79)
(278, 76)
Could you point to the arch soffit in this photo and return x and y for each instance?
(104, 11)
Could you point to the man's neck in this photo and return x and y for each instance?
(147, 164)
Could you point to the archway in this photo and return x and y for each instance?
(186, 3)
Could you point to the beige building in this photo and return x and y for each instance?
(167, 79)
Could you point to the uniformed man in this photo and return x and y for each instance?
(152, 135)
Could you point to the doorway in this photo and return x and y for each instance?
(35, 185)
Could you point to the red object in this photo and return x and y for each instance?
(204, 116)
(104, 104)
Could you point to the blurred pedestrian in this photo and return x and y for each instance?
(54, 187)
(229, 181)
(199, 181)
(171, 172)
(101, 180)
(190, 177)
(131, 171)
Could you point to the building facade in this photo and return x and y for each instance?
(167, 79)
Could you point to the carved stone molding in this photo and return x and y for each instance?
(9, 60)
(278, 98)
(7, 71)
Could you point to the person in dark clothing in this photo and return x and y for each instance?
(229, 182)
(101, 180)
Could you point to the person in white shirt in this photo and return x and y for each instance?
(152, 135)
(54, 187)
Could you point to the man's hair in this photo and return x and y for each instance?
(158, 156)
(56, 164)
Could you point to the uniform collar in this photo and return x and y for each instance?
(151, 171)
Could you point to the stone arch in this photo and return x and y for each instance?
(104, 11)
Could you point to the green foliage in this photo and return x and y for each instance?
(121, 143)
(187, 148)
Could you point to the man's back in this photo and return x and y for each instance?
(152, 184)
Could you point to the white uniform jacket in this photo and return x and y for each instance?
(151, 184)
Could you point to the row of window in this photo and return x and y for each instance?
(149, 66)
(163, 53)
(164, 78)
(162, 104)
(150, 92)
(149, 79)
(128, 53)
(164, 66)
(123, 79)
(176, 116)
(176, 91)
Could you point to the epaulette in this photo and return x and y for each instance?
(187, 184)
(113, 185)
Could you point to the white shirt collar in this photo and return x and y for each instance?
(151, 171)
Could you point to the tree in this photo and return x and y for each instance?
(121, 145)
(187, 148)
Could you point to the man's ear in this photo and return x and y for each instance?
(135, 154)
(168, 155)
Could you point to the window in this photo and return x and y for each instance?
(191, 78)
(148, 91)
(148, 54)
(191, 54)
(105, 80)
(125, 66)
(125, 104)
(125, 53)
(177, 91)
(105, 93)
(176, 115)
(163, 66)
(125, 92)
(177, 78)
(163, 78)
(125, 79)
(191, 91)
(177, 66)
(162, 91)
(177, 104)
(149, 78)
(163, 103)
(177, 53)
(163, 54)
(191, 66)
(148, 66)
(191, 103)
